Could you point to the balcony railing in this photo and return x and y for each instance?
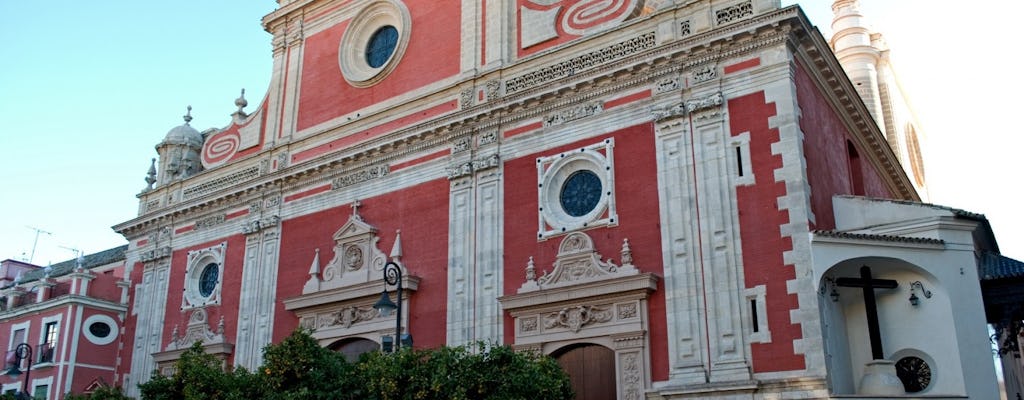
(45, 351)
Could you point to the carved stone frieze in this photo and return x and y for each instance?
(706, 107)
(684, 28)
(257, 225)
(487, 137)
(666, 85)
(579, 63)
(669, 111)
(210, 221)
(215, 184)
(346, 317)
(574, 113)
(733, 13)
(492, 89)
(466, 97)
(360, 176)
(704, 74)
(575, 318)
(476, 165)
(631, 376)
(155, 254)
(461, 145)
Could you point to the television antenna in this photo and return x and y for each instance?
(35, 241)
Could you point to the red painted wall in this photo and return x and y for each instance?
(420, 212)
(763, 246)
(636, 188)
(828, 169)
(433, 54)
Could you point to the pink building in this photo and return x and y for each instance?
(70, 314)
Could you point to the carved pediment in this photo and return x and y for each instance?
(198, 330)
(356, 258)
(578, 262)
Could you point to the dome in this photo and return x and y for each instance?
(184, 134)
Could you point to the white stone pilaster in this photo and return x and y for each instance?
(151, 306)
(258, 294)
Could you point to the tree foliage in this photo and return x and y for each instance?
(298, 368)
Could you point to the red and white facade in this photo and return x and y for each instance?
(71, 314)
(717, 132)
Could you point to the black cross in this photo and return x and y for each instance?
(870, 308)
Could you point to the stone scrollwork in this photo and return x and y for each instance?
(705, 107)
(467, 168)
(198, 330)
(356, 258)
(575, 318)
(704, 74)
(155, 254)
(258, 225)
(574, 113)
(666, 85)
(669, 111)
(345, 317)
(577, 262)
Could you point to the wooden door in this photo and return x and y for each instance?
(591, 370)
(351, 349)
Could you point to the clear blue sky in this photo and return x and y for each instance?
(87, 88)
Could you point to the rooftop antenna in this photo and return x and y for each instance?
(78, 253)
(35, 241)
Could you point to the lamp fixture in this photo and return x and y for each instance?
(914, 300)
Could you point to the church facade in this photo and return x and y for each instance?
(677, 197)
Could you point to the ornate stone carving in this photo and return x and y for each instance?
(356, 258)
(466, 97)
(487, 137)
(631, 376)
(215, 184)
(492, 89)
(669, 111)
(574, 113)
(155, 254)
(578, 262)
(467, 168)
(575, 318)
(704, 74)
(363, 175)
(571, 66)
(257, 225)
(684, 28)
(528, 324)
(666, 85)
(345, 317)
(734, 13)
(210, 221)
(627, 311)
(711, 101)
(461, 145)
(198, 330)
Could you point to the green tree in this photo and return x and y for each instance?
(101, 393)
(198, 376)
(299, 368)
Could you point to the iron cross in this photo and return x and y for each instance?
(869, 285)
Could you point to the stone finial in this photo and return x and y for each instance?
(220, 326)
(151, 175)
(627, 253)
(240, 102)
(314, 268)
(188, 115)
(396, 250)
(531, 270)
(174, 335)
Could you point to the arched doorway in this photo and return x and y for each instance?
(352, 348)
(591, 369)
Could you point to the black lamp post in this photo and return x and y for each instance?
(22, 352)
(392, 276)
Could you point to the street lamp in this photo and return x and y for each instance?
(22, 352)
(392, 276)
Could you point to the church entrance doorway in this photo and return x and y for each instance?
(591, 369)
(351, 349)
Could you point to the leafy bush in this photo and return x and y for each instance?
(298, 368)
